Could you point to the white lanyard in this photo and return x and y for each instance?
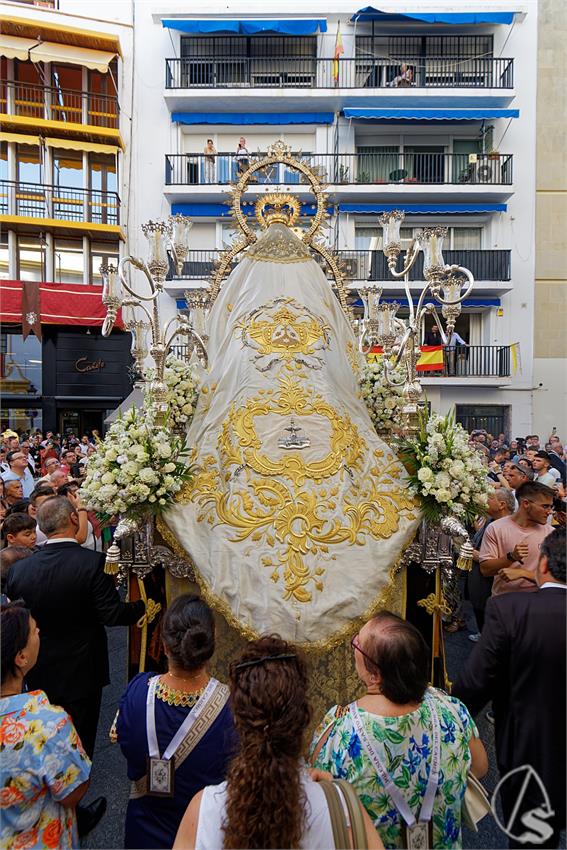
(181, 733)
(389, 786)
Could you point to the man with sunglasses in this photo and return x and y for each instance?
(510, 548)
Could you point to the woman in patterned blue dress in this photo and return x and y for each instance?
(395, 720)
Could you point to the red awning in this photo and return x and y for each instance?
(60, 303)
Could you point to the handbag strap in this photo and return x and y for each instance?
(356, 817)
(337, 815)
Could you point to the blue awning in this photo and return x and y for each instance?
(301, 26)
(223, 211)
(252, 117)
(422, 209)
(369, 13)
(477, 114)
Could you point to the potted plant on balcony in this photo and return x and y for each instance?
(494, 154)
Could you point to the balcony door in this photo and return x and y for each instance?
(424, 164)
(378, 164)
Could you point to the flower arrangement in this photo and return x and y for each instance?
(183, 390)
(382, 400)
(137, 469)
(444, 469)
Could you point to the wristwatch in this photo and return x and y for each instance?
(510, 556)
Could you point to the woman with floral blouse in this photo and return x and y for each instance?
(406, 748)
(44, 771)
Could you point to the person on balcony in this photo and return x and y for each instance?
(455, 358)
(242, 156)
(433, 337)
(210, 162)
(404, 79)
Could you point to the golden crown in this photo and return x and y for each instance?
(276, 207)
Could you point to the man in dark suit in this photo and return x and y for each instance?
(519, 664)
(72, 599)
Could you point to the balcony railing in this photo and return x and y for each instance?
(471, 361)
(360, 73)
(474, 361)
(35, 200)
(372, 265)
(349, 169)
(56, 104)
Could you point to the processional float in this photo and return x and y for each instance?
(297, 516)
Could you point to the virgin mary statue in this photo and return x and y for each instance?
(298, 512)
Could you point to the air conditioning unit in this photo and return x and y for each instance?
(355, 268)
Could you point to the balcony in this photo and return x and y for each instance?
(60, 110)
(59, 207)
(473, 362)
(356, 169)
(431, 72)
(477, 364)
(486, 266)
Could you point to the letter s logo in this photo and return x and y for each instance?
(541, 831)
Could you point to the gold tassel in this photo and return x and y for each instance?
(112, 564)
(465, 559)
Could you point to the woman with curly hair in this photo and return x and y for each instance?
(269, 799)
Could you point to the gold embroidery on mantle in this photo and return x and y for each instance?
(284, 329)
(279, 245)
(267, 500)
(391, 598)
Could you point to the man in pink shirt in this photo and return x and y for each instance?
(510, 547)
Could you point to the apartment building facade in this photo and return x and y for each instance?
(62, 159)
(408, 106)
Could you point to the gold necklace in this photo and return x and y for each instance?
(174, 697)
(186, 678)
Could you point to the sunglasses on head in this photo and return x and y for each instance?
(356, 645)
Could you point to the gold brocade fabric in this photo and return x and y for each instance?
(332, 676)
(280, 245)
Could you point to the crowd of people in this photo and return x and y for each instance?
(238, 764)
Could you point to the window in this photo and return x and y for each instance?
(69, 261)
(494, 418)
(103, 104)
(4, 257)
(31, 257)
(20, 364)
(466, 238)
(102, 253)
(28, 165)
(28, 93)
(68, 168)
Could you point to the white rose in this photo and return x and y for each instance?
(425, 474)
(164, 450)
(108, 478)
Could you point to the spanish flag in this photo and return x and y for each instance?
(431, 359)
(339, 49)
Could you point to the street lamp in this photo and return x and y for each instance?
(399, 338)
(165, 239)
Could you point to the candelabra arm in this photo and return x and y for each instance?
(188, 330)
(364, 343)
(470, 280)
(128, 303)
(408, 264)
(409, 300)
(141, 266)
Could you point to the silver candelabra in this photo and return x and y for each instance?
(141, 312)
(399, 338)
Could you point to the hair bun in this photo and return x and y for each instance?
(195, 637)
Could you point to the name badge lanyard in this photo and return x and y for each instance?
(392, 789)
(161, 768)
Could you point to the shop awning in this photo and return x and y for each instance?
(422, 209)
(19, 138)
(477, 114)
(369, 13)
(300, 26)
(239, 118)
(80, 145)
(223, 211)
(16, 48)
(48, 51)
